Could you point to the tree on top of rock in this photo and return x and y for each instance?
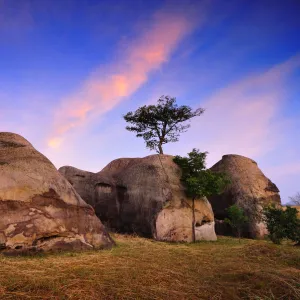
(162, 123)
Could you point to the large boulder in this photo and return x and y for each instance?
(250, 189)
(145, 196)
(40, 210)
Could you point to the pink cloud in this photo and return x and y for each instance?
(99, 94)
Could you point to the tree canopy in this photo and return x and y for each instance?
(161, 123)
(282, 224)
(198, 180)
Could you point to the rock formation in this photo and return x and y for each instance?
(249, 188)
(143, 195)
(39, 208)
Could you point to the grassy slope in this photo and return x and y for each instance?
(144, 269)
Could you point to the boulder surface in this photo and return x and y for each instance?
(39, 208)
(250, 189)
(145, 196)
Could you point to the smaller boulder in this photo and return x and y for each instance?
(250, 189)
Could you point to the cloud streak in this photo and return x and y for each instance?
(243, 118)
(287, 169)
(99, 94)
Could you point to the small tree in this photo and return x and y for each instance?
(295, 200)
(274, 219)
(282, 224)
(236, 219)
(292, 227)
(162, 123)
(198, 181)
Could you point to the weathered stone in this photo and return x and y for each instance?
(144, 195)
(249, 188)
(39, 208)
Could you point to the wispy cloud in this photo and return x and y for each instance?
(100, 93)
(242, 118)
(288, 169)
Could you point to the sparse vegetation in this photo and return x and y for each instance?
(140, 268)
(162, 123)
(236, 219)
(199, 181)
(295, 200)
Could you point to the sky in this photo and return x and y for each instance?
(70, 69)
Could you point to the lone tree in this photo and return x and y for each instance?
(236, 219)
(295, 200)
(199, 181)
(162, 123)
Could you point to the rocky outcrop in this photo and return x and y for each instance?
(249, 188)
(39, 208)
(144, 195)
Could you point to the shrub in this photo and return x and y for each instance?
(236, 219)
(282, 224)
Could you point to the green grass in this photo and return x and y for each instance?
(140, 268)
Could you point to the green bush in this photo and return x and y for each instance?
(236, 219)
(292, 224)
(282, 224)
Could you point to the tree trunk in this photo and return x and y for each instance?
(239, 234)
(193, 222)
(160, 148)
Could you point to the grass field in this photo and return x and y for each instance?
(139, 268)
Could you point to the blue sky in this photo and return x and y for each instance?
(69, 70)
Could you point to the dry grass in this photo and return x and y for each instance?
(144, 269)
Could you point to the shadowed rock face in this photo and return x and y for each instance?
(39, 208)
(143, 195)
(249, 188)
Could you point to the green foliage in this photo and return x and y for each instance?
(236, 218)
(162, 123)
(199, 181)
(282, 224)
(292, 226)
(275, 219)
